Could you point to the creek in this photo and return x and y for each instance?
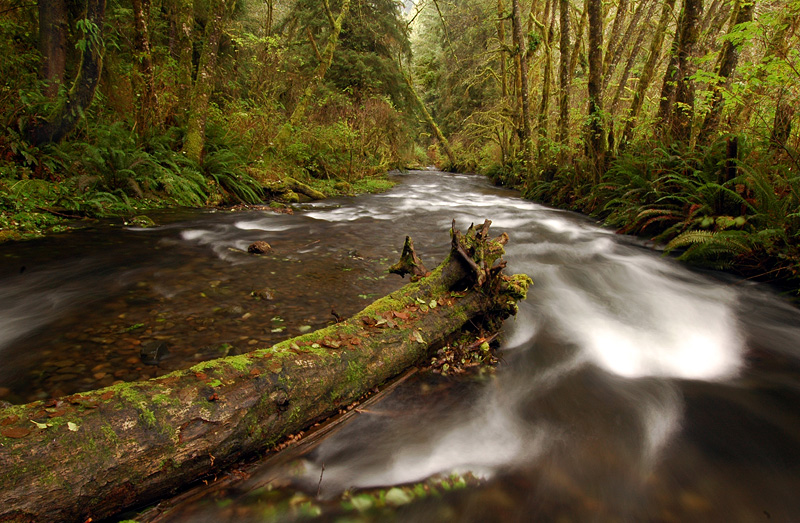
(630, 387)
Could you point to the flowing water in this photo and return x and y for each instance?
(630, 389)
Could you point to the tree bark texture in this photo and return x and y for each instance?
(523, 93)
(595, 131)
(194, 142)
(89, 455)
(564, 74)
(70, 110)
(53, 29)
(684, 88)
(146, 105)
(616, 41)
(728, 58)
(647, 71)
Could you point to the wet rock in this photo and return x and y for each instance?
(153, 352)
(142, 221)
(263, 294)
(259, 247)
(233, 311)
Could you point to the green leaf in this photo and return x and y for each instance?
(397, 496)
(362, 502)
(72, 426)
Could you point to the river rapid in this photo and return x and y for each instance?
(630, 388)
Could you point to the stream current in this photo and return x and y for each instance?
(630, 387)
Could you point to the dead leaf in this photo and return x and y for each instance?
(15, 432)
(9, 420)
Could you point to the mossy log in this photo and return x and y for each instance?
(91, 455)
(290, 185)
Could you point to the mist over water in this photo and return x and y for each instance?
(630, 388)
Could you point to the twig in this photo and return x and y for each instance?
(319, 485)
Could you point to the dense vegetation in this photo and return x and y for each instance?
(668, 119)
(673, 119)
(113, 107)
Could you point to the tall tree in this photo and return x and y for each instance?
(729, 56)
(564, 74)
(548, 31)
(503, 52)
(194, 141)
(69, 110)
(53, 33)
(523, 93)
(326, 57)
(684, 89)
(595, 129)
(647, 71)
(146, 103)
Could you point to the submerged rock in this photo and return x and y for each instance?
(259, 247)
(153, 352)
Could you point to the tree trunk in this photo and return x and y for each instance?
(522, 70)
(595, 130)
(195, 139)
(146, 105)
(729, 56)
(544, 105)
(667, 99)
(782, 124)
(87, 456)
(564, 74)
(684, 90)
(503, 138)
(431, 122)
(576, 48)
(69, 111)
(319, 73)
(647, 71)
(184, 22)
(616, 42)
(632, 56)
(53, 27)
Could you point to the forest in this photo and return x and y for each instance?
(672, 120)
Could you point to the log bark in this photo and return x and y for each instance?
(90, 455)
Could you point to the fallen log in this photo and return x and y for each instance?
(91, 455)
(289, 185)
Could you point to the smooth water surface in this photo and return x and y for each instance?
(630, 388)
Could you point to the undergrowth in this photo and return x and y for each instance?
(739, 214)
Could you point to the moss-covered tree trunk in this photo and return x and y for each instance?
(89, 455)
(70, 110)
(194, 142)
(443, 141)
(146, 103)
(522, 88)
(595, 132)
(729, 56)
(53, 30)
(683, 110)
(326, 58)
(647, 71)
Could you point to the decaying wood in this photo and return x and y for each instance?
(410, 262)
(291, 185)
(90, 455)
